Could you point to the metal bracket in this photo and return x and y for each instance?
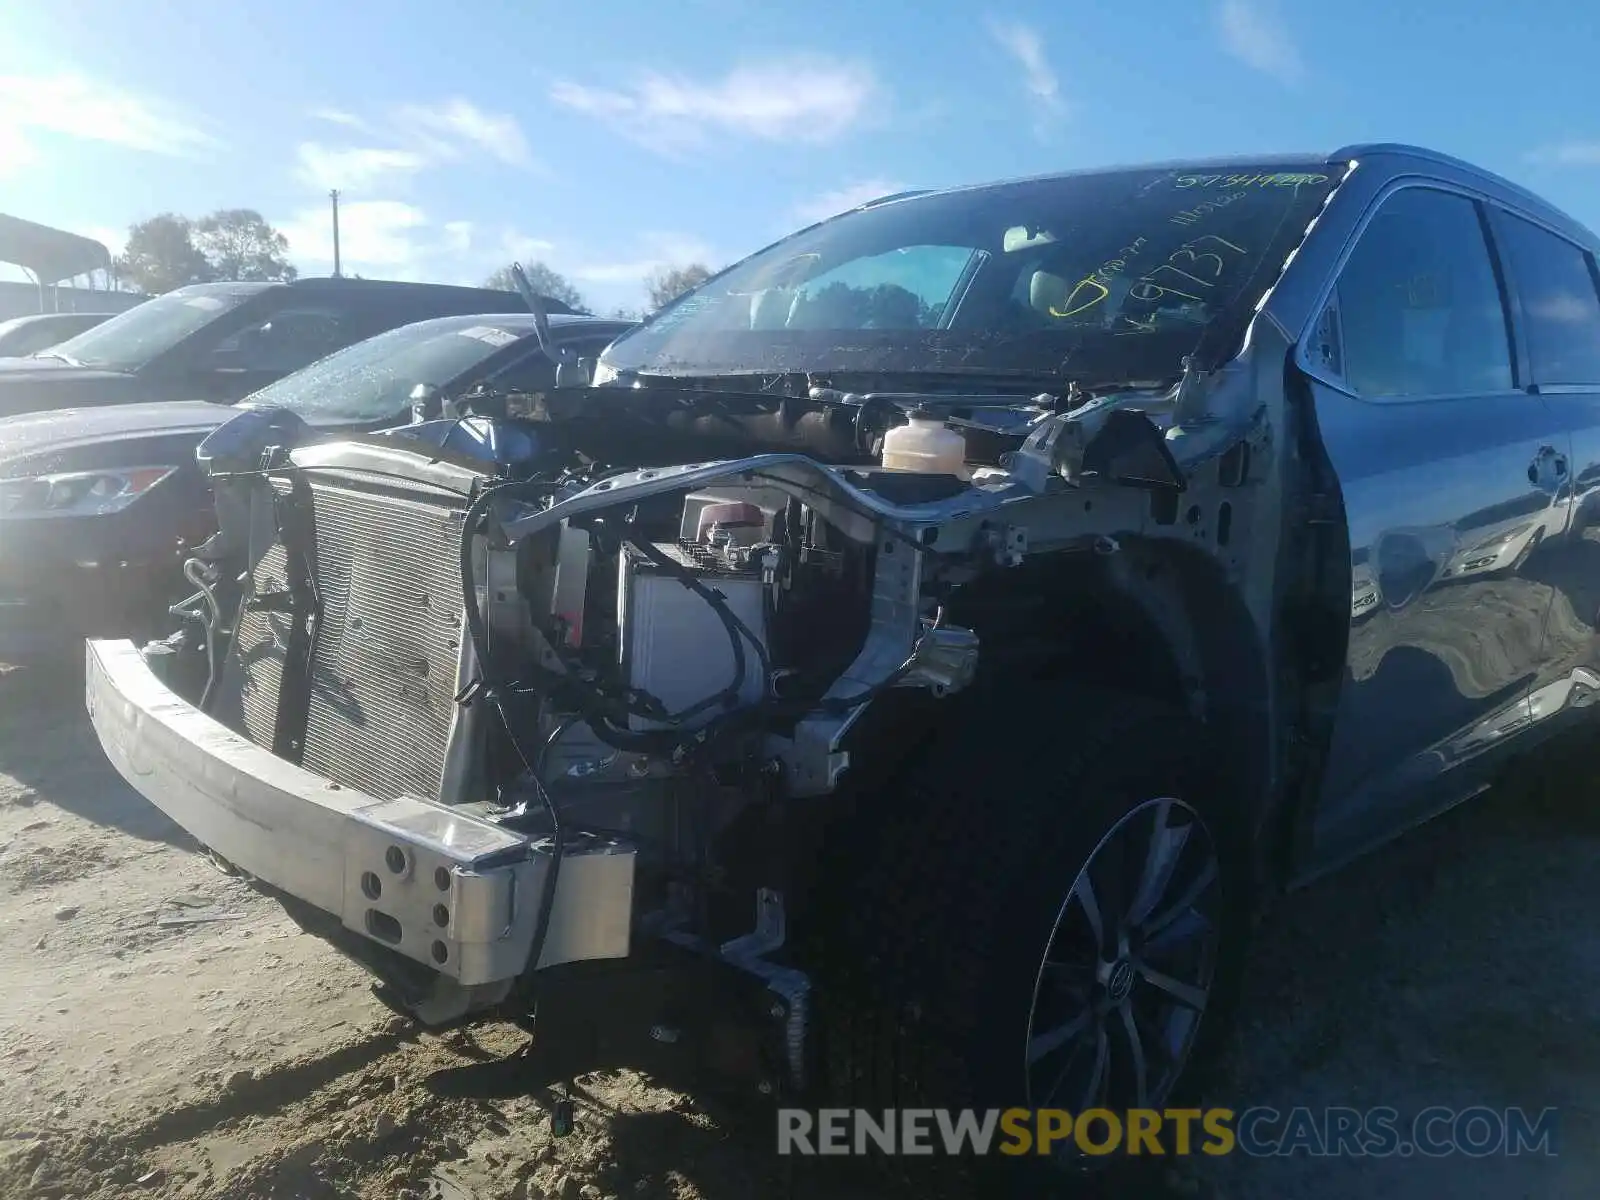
(1009, 544)
(791, 985)
(946, 659)
(772, 928)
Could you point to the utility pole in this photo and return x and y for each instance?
(333, 195)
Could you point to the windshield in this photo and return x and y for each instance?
(131, 339)
(1110, 276)
(374, 379)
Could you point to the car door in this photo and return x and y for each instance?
(1448, 467)
(1554, 288)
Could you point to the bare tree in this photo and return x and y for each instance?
(666, 284)
(240, 245)
(545, 281)
(170, 251)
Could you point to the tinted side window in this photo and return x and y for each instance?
(291, 338)
(1420, 312)
(533, 372)
(1560, 306)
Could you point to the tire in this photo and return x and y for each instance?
(935, 950)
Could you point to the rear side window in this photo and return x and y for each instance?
(289, 339)
(1560, 307)
(1419, 306)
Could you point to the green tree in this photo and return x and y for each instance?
(161, 255)
(545, 281)
(668, 283)
(241, 246)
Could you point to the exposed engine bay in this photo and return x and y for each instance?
(638, 669)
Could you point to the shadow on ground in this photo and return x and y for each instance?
(49, 748)
(1458, 967)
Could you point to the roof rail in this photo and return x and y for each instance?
(1439, 158)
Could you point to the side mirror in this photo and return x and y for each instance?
(574, 372)
(425, 403)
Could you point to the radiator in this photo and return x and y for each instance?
(384, 663)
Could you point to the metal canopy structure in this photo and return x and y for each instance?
(49, 255)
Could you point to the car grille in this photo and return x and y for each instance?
(383, 672)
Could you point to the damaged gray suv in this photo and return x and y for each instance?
(924, 648)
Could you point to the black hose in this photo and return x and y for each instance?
(477, 630)
(558, 833)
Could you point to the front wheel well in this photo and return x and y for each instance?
(1156, 619)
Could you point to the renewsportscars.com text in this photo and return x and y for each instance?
(1330, 1132)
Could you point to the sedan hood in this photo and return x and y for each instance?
(31, 384)
(70, 428)
(18, 372)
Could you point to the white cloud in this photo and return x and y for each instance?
(414, 138)
(392, 239)
(1254, 34)
(458, 236)
(383, 237)
(74, 106)
(804, 99)
(338, 116)
(458, 120)
(519, 247)
(1024, 44)
(16, 152)
(1568, 154)
(656, 250)
(353, 167)
(843, 199)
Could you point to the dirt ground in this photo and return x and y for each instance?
(165, 1032)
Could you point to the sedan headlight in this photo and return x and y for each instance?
(77, 493)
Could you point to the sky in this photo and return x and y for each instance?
(611, 138)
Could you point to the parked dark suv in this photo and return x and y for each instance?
(222, 341)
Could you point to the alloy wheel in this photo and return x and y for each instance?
(1129, 965)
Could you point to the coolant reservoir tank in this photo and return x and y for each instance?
(925, 444)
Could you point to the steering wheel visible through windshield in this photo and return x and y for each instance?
(374, 379)
(132, 338)
(1109, 276)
